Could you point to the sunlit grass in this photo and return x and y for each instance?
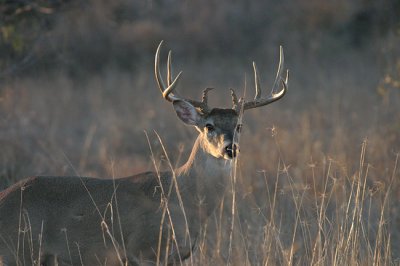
(316, 182)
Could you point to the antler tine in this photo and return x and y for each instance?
(286, 81)
(278, 75)
(258, 100)
(204, 99)
(234, 100)
(256, 82)
(166, 91)
(157, 71)
(203, 105)
(171, 87)
(169, 68)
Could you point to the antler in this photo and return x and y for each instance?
(167, 91)
(258, 100)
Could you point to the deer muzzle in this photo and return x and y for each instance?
(232, 150)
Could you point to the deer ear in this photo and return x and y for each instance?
(187, 112)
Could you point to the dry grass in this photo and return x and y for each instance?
(317, 181)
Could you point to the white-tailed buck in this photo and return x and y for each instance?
(152, 217)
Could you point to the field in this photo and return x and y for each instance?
(317, 180)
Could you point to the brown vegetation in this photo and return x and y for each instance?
(318, 178)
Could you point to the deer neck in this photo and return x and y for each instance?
(204, 179)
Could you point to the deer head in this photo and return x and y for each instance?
(218, 127)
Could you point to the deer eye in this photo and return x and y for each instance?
(239, 128)
(210, 127)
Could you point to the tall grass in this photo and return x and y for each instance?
(308, 187)
(317, 179)
(330, 220)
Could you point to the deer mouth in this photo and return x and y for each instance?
(231, 151)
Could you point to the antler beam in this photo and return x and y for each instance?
(171, 83)
(167, 91)
(258, 100)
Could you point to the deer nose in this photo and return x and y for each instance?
(232, 150)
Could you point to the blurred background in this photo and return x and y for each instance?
(78, 97)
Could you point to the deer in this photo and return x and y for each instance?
(150, 218)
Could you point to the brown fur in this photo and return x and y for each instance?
(69, 219)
